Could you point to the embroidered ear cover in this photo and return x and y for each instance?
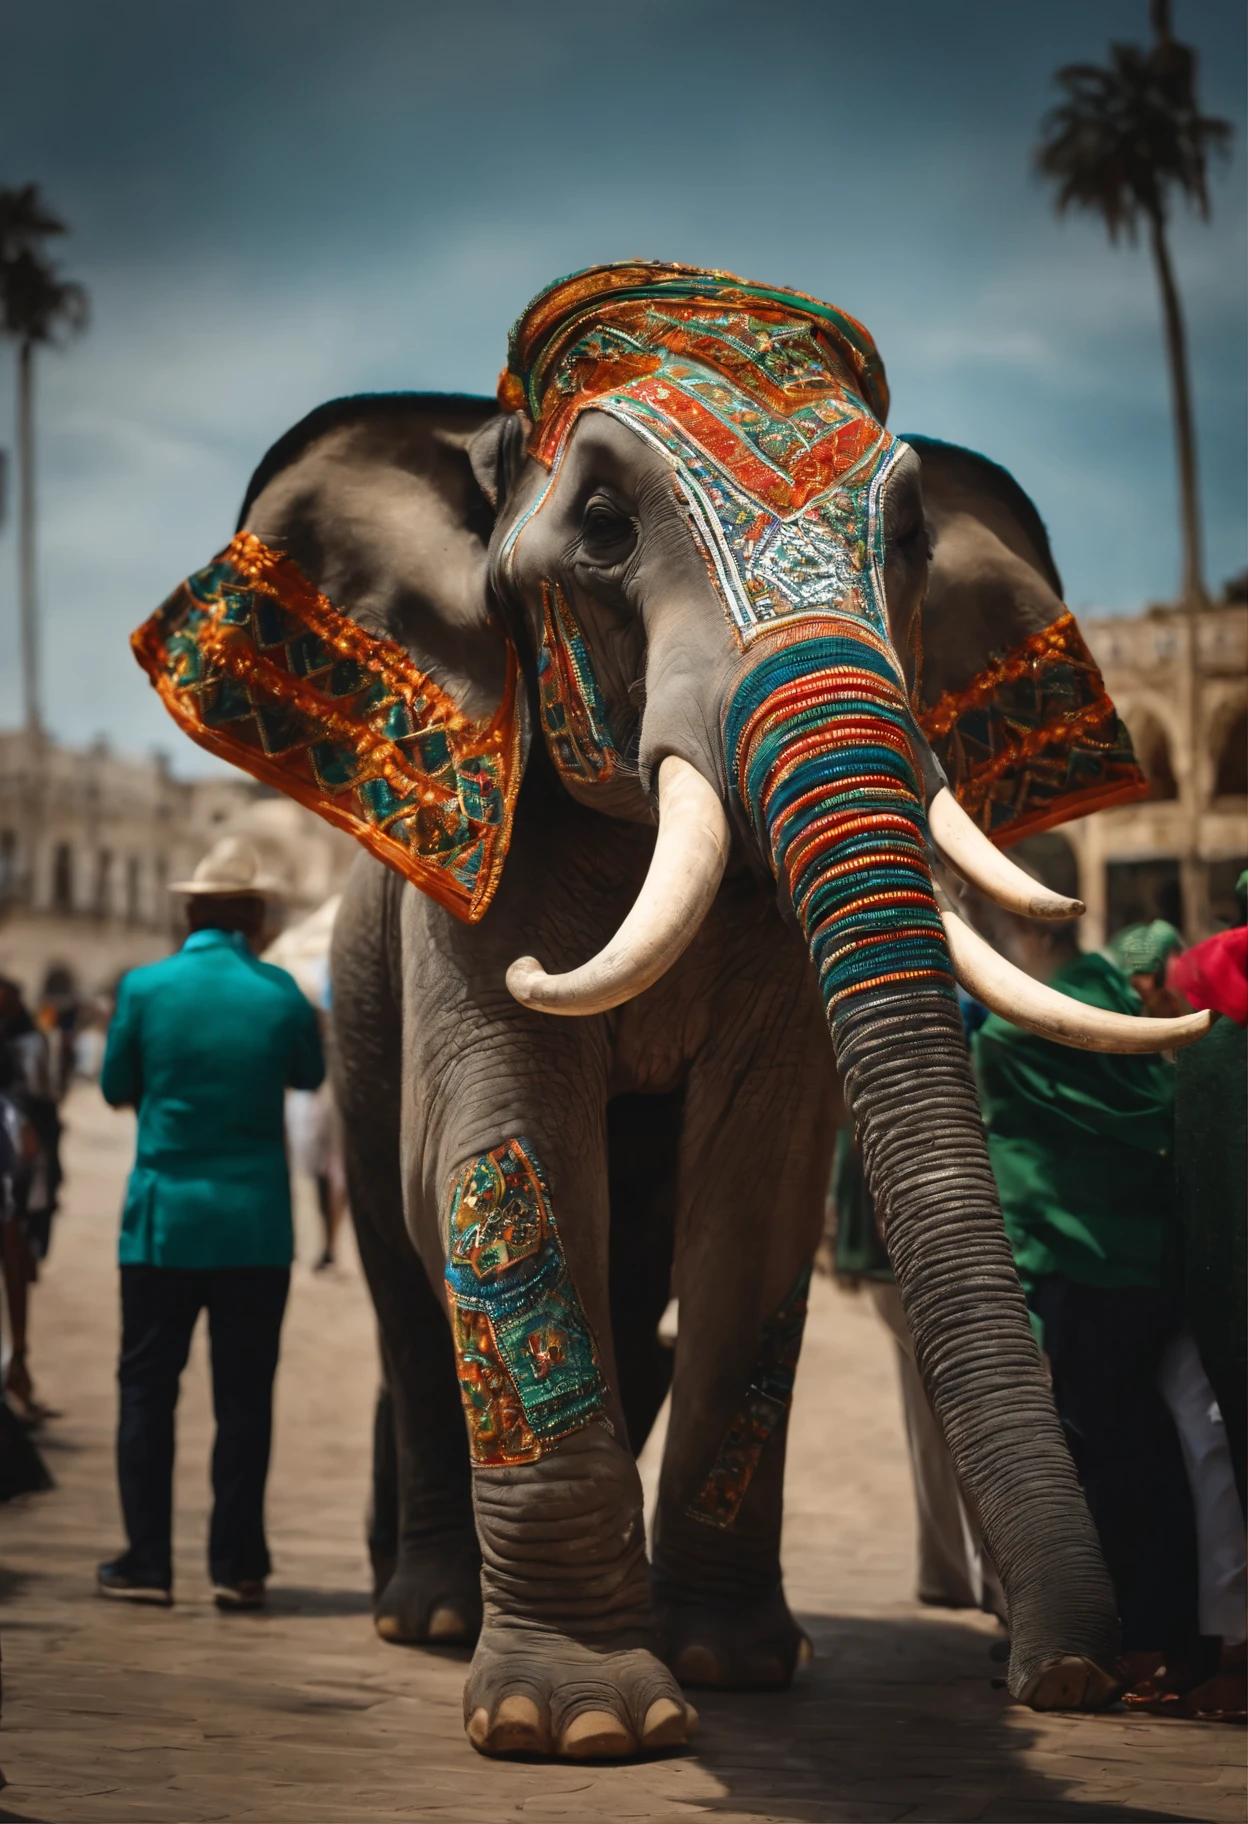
(1033, 739)
(771, 406)
(259, 668)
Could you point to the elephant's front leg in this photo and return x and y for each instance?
(754, 1171)
(515, 1167)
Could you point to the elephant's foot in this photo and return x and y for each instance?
(1070, 1682)
(752, 1646)
(563, 1665)
(532, 1692)
(430, 1602)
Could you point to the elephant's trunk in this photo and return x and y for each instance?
(819, 750)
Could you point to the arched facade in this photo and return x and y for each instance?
(1231, 757)
(1181, 684)
(1154, 751)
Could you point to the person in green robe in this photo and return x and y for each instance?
(1082, 1148)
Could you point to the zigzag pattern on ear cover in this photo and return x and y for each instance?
(1033, 739)
(258, 667)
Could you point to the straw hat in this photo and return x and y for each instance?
(230, 868)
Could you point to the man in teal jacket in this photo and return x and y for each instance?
(204, 1045)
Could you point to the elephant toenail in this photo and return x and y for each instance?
(596, 1735)
(446, 1623)
(517, 1728)
(1070, 1683)
(805, 1650)
(388, 1627)
(478, 1727)
(668, 1724)
(696, 1666)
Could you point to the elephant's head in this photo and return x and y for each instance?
(720, 556)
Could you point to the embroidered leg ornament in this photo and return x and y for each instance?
(528, 1366)
(563, 1665)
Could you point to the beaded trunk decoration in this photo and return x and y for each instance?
(1034, 739)
(528, 1366)
(818, 747)
(261, 669)
(765, 1409)
(575, 723)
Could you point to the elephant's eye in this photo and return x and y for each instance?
(913, 540)
(607, 534)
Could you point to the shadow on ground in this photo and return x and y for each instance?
(900, 1719)
(304, 1599)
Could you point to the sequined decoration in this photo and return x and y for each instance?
(574, 718)
(260, 669)
(768, 404)
(528, 1366)
(818, 746)
(1034, 739)
(765, 1409)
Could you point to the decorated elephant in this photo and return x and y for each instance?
(628, 677)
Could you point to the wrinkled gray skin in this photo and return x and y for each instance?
(697, 1118)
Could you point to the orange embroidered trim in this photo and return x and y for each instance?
(1043, 768)
(342, 722)
(1051, 646)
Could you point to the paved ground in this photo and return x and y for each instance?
(302, 1714)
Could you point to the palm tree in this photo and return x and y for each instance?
(1125, 140)
(36, 307)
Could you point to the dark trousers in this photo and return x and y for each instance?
(159, 1307)
(1105, 1346)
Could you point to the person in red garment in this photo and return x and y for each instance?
(1211, 1141)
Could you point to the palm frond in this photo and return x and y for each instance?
(1128, 135)
(36, 305)
(25, 221)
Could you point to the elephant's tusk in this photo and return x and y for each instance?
(969, 852)
(1037, 1008)
(690, 854)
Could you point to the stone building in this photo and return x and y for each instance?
(90, 839)
(1181, 684)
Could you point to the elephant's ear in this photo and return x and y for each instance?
(1008, 694)
(342, 647)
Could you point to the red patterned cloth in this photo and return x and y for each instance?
(1215, 974)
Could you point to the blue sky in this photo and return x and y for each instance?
(277, 201)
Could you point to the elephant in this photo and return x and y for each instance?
(661, 661)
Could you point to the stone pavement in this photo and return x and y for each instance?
(302, 1714)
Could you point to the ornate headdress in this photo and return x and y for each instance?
(769, 405)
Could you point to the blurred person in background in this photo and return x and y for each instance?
(90, 1037)
(204, 1046)
(1143, 953)
(313, 1130)
(316, 1153)
(1204, 1363)
(21, 1468)
(1211, 1141)
(27, 1080)
(1081, 1145)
